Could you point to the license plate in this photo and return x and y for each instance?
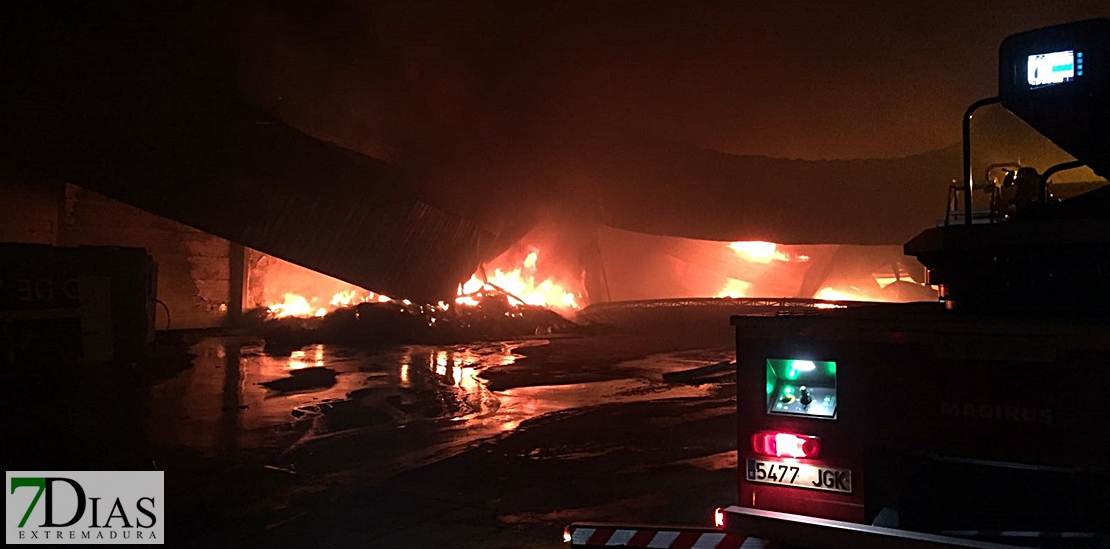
(799, 475)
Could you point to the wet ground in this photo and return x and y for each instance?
(488, 444)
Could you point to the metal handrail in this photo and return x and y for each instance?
(967, 152)
(1053, 171)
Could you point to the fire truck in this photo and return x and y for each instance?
(976, 421)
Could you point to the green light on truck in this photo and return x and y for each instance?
(801, 387)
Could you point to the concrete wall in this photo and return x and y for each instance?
(193, 266)
(194, 270)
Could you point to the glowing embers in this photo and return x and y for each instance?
(784, 444)
(800, 387)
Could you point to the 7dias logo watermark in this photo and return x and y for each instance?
(85, 507)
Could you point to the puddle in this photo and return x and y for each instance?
(378, 412)
(237, 397)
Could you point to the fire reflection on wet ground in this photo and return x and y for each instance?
(363, 419)
(237, 397)
(430, 401)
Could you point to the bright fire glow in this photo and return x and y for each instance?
(832, 294)
(524, 284)
(466, 300)
(299, 306)
(735, 288)
(286, 290)
(294, 305)
(344, 298)
(758, 252)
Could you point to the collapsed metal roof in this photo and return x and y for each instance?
(396, 146)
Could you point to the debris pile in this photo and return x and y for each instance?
(490, 313)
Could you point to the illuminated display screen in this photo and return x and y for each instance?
(1045, 69)
(801, 387)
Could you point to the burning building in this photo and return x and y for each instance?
(230, 140)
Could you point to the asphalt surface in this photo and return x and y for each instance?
(490, 444)
(486, 444)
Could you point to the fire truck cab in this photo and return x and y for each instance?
(976, 421)
(902, 417)
(980, 417)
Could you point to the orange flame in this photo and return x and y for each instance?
(753, 251)
(524, 285)
(522, 282)
(735, 288)
(833, 294)
(296, 305)
(758, 252)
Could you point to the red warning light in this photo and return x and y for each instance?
(782, 444)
